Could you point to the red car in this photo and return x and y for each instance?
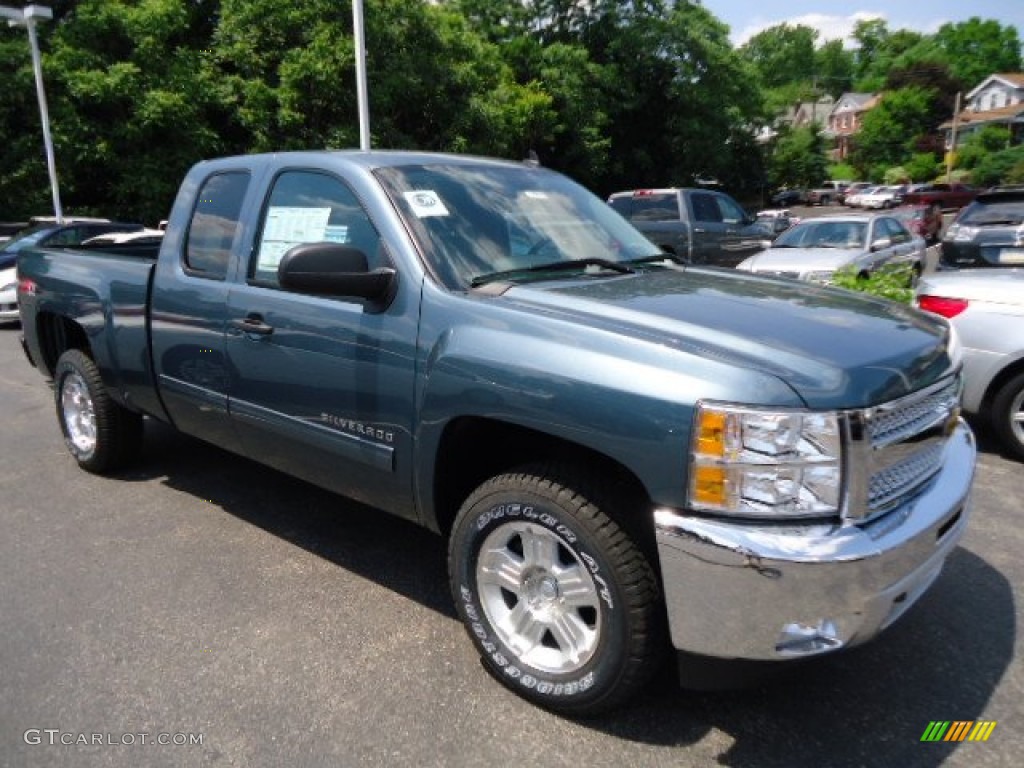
(923, 220)
(949, 196)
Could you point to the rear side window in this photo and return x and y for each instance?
(215, 223)
(657, 207)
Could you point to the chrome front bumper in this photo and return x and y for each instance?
(739, 590)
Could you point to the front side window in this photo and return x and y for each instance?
(214, 224)
(309, 207)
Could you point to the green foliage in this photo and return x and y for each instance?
(799, 158)
(889, 131)
(922, 166)
(1006, 166)
(841, 171)
(892, 281)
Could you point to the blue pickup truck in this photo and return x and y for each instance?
(626, 455)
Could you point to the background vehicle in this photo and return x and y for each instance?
(949, 197)
(786, 197)
(854, 199)
(855, 188)
(827, 193)
(987, 233)
(698, 226)
(45, 233)
(815, 249)
(923, 220)
(881, 197)
(8, 295)
(987, 310)
(607, 439)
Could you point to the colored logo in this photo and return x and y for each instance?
(958, 730)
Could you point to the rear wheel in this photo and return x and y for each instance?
(101, 434)
(561, 603)
(1008, 415)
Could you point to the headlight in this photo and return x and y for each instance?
(823, 277)
(960, 234)
(750, 462)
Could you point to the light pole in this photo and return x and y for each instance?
(26, 17)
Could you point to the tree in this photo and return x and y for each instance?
(975, 49)
(798, 158)
(783, 54)
(890, 131)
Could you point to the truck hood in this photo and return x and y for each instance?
(835, 348)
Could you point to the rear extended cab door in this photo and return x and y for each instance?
(723, 233)
(660, 214)
(319, 387)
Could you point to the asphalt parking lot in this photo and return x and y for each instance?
(252, 620)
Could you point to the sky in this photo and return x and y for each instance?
(836, 18)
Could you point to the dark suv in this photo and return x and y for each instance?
(43, 233)
(987, 233)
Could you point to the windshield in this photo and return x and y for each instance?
(821, 233)
(471, 221)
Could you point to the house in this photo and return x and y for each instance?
(998, 100)
(799, 115)
(845, 119)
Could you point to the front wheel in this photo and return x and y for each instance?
(101, 434)
(1008, 415)
(561, 603)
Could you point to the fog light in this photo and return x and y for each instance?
(806, 640)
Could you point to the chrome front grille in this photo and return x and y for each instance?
(897, 447)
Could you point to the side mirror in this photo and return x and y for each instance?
(881, 244)
(332, 269)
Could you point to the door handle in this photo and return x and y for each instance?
(253, 324)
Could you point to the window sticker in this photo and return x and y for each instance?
(336, 234)
(286, 227)
(424, 203)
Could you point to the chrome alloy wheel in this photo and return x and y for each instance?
(1017, 416)
(539, 596)
(78, 413)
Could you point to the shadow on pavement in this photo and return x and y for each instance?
(867, 706)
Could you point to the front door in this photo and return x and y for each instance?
(322, 387)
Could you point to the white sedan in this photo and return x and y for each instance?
(815, 249)
(8, 295)
(881, 197)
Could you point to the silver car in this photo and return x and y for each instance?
(815, 249)
(986, 307)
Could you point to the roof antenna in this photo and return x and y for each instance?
(531, 159)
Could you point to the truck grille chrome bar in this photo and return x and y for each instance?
(895, 448)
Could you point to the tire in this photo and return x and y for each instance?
(101, 434)
(561, 603)
(1008, 415)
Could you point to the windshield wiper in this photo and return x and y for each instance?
(661, 256)
(554, 266)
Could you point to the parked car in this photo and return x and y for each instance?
(785, 197)
(881, 198)
(923, 220)
(696, 226)
(854, 189)
(815, 249)
(987, 310)
(827, 193)
(42, 233)
(8, 295)
(987, 233)
(948, 196)
(778, 219)
(854, 200)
